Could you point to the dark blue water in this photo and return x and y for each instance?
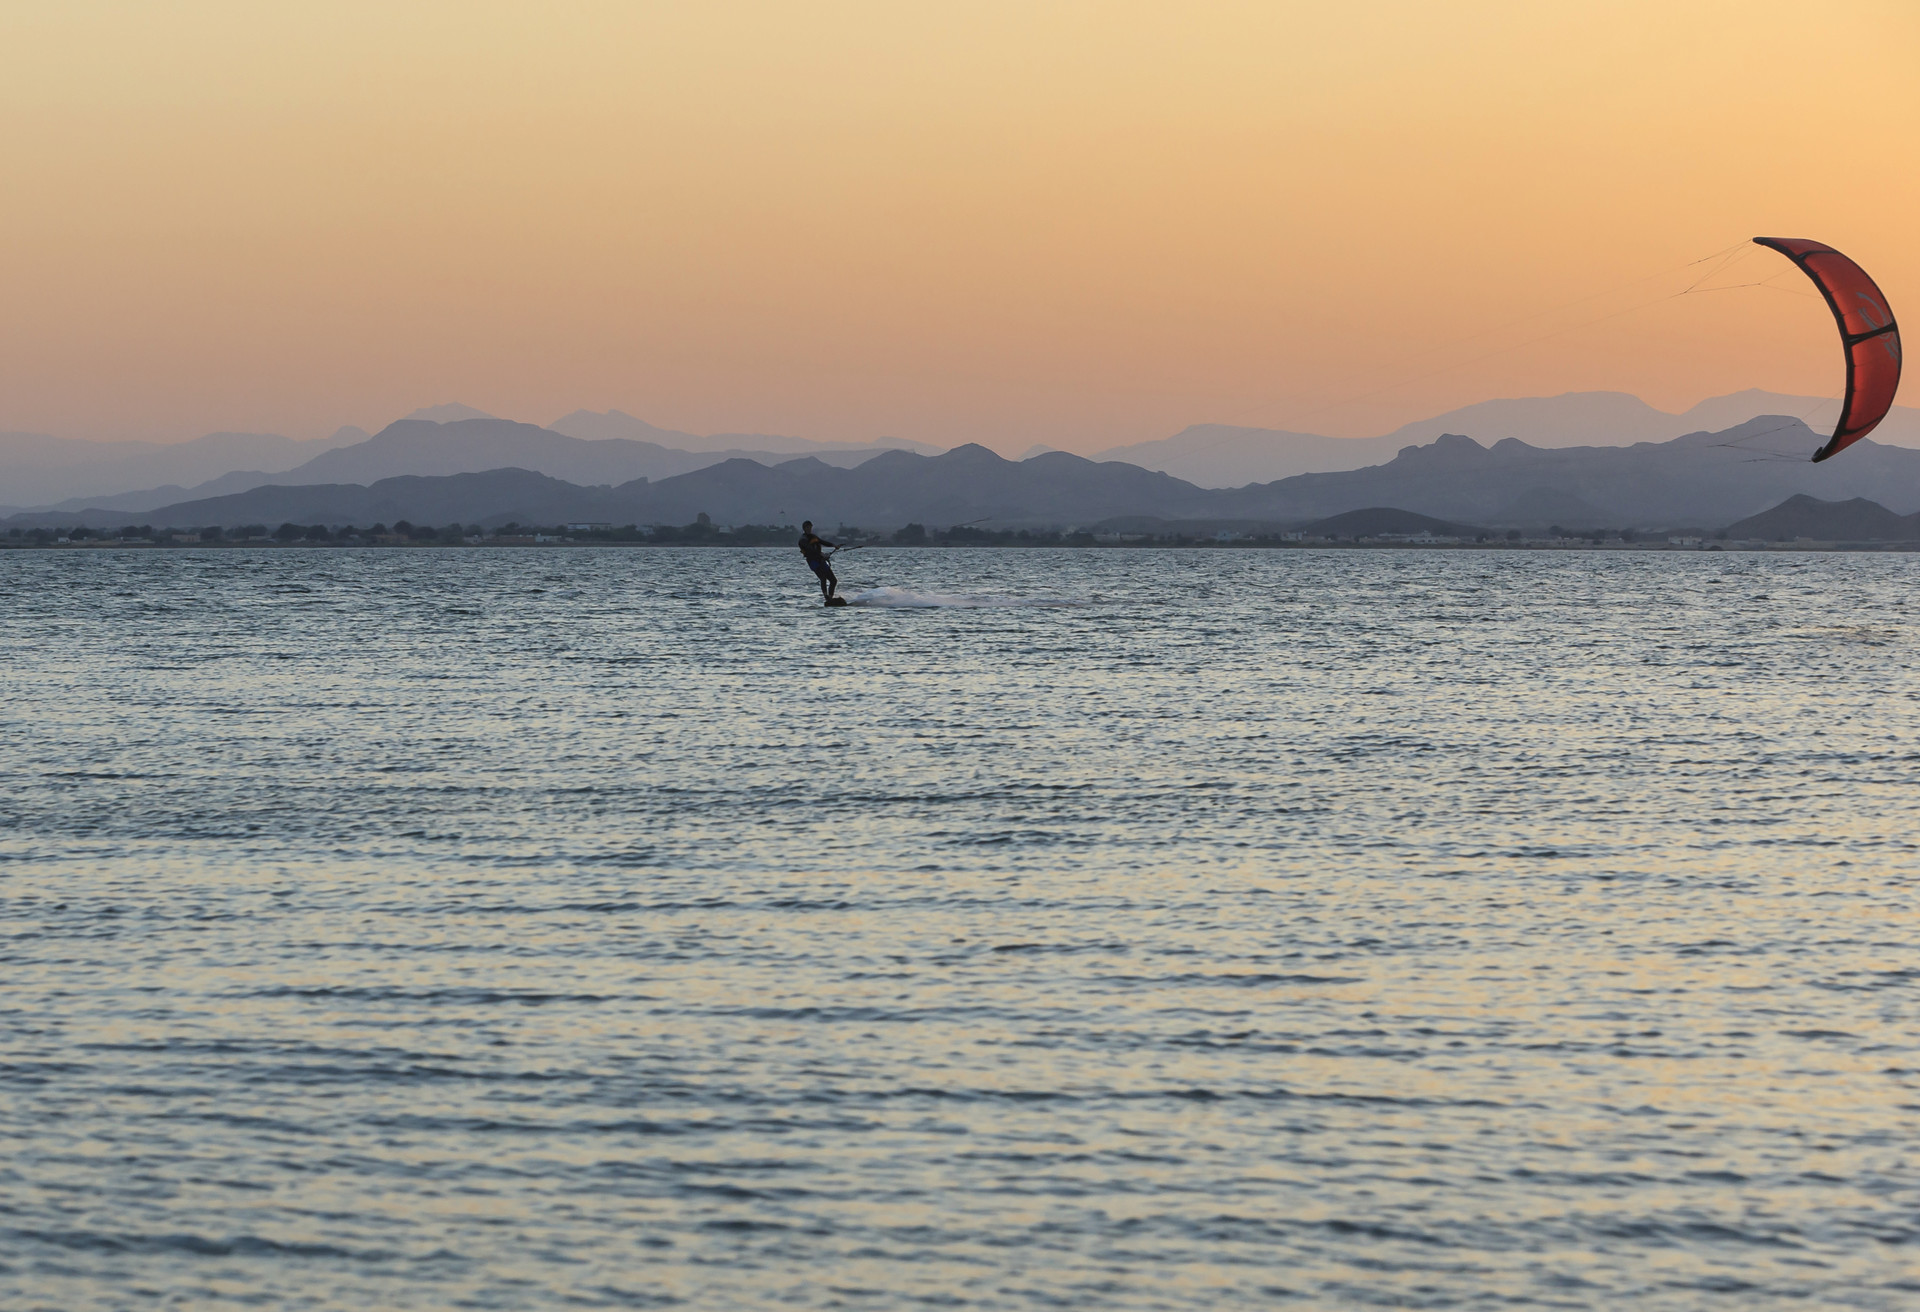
(530, 929)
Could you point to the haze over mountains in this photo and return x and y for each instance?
(614, 425)
(612, 466)
(1221, 455)
(64, 474)
(1702, 480)
(471, 446)
(38, 471)
(1699, 480)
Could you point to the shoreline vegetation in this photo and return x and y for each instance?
(704, 533)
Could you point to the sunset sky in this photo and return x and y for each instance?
(1078, 224)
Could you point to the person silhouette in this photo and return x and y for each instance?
(814, 548)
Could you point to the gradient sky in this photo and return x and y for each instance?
(1077, 224)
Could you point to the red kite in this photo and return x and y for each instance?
(1867, 332)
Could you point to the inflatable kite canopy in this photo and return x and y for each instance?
(1867, 332)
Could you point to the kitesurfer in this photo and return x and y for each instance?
(814, 548)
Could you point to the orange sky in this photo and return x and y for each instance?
(1078, 224)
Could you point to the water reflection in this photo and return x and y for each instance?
(621, 928)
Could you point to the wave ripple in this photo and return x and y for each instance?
(618, 928)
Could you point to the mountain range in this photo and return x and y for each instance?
(136, 477)
(1698, 480)
(616, 425)
(37, 469)
(471, 446)
(1221, 455)
(590, 447)
(1694, 480)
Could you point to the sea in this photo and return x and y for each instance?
(1120, 929)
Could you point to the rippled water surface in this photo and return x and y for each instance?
(606, 928)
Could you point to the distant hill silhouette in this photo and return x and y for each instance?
(37, 469)
(1383, 521)
(617, 424)
(1703, 478)
(1858, 520)
(1221, 455)
(450, 413)
(147, 498)
(471, 446)
(495, 496)
(463, 446)
(137, 477)
(966, 484)
(1622, 419)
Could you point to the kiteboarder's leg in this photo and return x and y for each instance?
(829, 581)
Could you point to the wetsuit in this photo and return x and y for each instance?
(813, 547)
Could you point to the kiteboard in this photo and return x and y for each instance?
(836, 601)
